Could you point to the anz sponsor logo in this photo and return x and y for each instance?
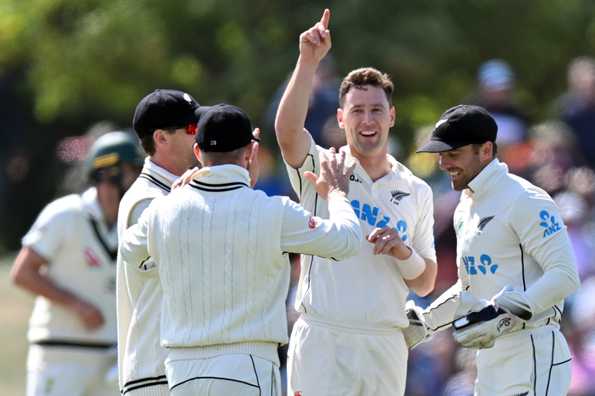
(485, 266)
(371, 215)
(549, 223)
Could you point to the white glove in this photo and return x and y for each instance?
(423, 323)
(507, 312)
(418, 331)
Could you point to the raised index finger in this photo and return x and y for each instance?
(326, 17)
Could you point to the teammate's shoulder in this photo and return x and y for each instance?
(525, 196)
(70, 203)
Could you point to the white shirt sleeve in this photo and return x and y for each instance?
(543, 236)
(133, 248)
(138, 210)
(49, 231)
(339, 237)
(423, 238)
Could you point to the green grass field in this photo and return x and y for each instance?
(16, 308)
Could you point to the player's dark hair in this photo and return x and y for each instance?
(149, 144)
(210, 158)
(494, 148)
(366, 76)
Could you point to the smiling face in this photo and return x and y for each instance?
(464, 163)
(366, 116)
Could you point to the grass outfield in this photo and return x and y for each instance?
(16, 308)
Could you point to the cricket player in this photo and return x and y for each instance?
(348, 340)
(165, 122)
(221, 251)
(515, 265)
(68, 260)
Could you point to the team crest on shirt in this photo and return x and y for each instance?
(91, 258)
(483, 223)
(396, 196)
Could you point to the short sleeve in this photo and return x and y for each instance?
(423, 240)
(49, 231)
(311, 164)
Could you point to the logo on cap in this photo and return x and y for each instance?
(187, 98)
(440, 122)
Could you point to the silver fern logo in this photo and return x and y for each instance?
(397, 196)
(483, 223)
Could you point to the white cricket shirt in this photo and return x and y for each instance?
(220, 248)
(71, 235)
(140, 357)
(510, 233)
(367, 290)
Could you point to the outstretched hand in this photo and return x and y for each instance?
(334, 174)
(316, 41)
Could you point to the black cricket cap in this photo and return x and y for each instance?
(164, 109)
(459, 126)
(223, 128)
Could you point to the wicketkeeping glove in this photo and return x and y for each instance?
(507, 312)
(418, 330)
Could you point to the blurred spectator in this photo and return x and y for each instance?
(582, 340)
(496, 82)
(462, 382)
(577, 106)
(554, 153)
(573, 210)
(272, 178)
(323, 102)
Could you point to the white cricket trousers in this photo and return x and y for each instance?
(330, 360)
(532, 362)
(59, 371)
(223, 375)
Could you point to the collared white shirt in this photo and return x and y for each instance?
(71, 234)
(366, 290)
(510, 233)
(220, 248)
(140, 357)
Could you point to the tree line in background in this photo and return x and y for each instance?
(65, 64)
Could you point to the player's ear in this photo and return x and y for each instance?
(393, 115)
(159, 136)
(197, 152)
(340, 118)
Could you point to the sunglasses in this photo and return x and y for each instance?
(190, 129)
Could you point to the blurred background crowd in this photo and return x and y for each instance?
(66, 66)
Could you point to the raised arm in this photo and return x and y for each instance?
(291, 115)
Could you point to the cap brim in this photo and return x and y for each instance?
(435, 146)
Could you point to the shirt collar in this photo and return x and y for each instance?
(397, 168)
(91, 203)
(487, 176)
(155, 170)
(220, 174)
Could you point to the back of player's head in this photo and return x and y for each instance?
(366, 76)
